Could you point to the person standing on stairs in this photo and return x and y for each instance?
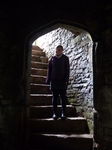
(58, 78)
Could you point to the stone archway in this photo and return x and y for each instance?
(78, 47)
(37, 33)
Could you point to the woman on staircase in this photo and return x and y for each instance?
(58, 77)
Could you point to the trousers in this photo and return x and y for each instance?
(56, 93)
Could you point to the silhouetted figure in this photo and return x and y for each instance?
(58, 77)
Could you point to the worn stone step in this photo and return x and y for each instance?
(44, 59)
(40, 99)
(39, 88)
(34, 47)
(39, 65)
(47, 111)
(35, 71)
(38, 79)
(35, 58)
(48, 141)
(71, 124)
(38, 53)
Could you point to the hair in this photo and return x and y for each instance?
(59, 46)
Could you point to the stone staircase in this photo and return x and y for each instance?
(46, 133)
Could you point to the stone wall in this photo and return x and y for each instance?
(103, 94)
(79, 50)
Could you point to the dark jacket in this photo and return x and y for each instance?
(58, 70)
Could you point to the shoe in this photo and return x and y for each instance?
(63, 117)
(54, 116)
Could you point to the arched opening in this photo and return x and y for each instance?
(78, 47)
(38, 34)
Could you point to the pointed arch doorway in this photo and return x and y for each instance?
(36, 34)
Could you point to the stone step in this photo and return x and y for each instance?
(39, 89)
(71, 124)
(38, 79)
(44, 59)
(35, 71)
(47, 111)
(40, 99)
(34, 47)
(39, 65)
(39, 58)
(35, 58)
(48, 141)
(38, 53)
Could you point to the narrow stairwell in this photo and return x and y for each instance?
(46, 133)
